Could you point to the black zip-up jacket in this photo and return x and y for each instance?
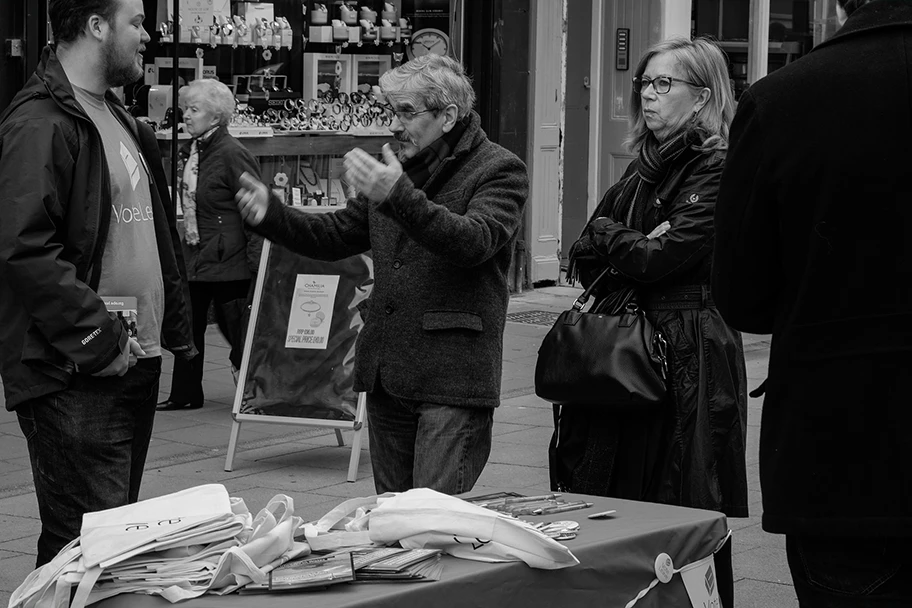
(228, 250)
(55, 209)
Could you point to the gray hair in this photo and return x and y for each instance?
(212, 95)
(438, 81)
(702, 62)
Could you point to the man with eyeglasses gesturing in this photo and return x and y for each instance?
(440, 216)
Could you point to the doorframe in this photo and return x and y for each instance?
(674, 20)
(597, 108)
(544, 268)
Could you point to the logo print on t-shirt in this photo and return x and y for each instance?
(131, 165)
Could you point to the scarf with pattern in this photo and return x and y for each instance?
(422, 166)
(625, 201)
(188, 189)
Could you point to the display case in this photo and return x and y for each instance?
(325, 72)
(303, 170)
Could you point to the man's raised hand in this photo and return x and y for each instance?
(252, 199)
(369, 176)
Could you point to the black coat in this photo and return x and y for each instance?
(814, 230)
(227, 250)
(55, 209)
(691, 452)
(433, 326)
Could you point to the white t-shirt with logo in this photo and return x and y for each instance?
(130, 266)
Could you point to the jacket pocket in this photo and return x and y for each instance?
(435, 320)
(455, 201)
(39, 355)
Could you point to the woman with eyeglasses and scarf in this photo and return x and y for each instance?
(654, 230)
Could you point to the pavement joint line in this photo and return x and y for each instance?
(517, 392)
(762, 580)
(195, 455)
(242, 447)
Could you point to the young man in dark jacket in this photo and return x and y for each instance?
(441, 221)
(85, 232)
(813, 245)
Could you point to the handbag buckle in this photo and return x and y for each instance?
(661, 353)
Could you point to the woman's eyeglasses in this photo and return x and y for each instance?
(660, 84)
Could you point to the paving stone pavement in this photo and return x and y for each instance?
(189, 448)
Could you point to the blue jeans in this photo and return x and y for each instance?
(426, 445)
(833, 572)
(87, 445)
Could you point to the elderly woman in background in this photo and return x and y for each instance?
(221, 255)
(654, 230)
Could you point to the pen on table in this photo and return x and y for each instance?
(570, 506)
(518, 499)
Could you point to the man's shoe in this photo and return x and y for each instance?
(169, 406)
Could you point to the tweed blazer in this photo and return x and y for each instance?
(434, 322)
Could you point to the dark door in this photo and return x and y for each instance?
(576, 123)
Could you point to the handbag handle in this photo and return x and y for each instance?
(581, 301)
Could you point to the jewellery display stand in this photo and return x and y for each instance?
(298, 356)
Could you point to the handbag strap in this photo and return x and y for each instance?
(581, 301)
(621, 302)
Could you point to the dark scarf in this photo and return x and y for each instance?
(422, 166)
(625, 201)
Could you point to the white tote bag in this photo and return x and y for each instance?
(423, 518)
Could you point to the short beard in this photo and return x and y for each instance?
(118, 73)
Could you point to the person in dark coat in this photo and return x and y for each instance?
(221, 254)
(813, 225)
(654, 230)
(440, 218)
(85, 232)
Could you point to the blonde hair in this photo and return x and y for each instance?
(214, 96)
(702, 62)
(438, 81)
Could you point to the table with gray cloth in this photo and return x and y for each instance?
(617, 560)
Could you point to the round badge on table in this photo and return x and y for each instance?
(664, 567)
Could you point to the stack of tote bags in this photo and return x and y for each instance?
(178, 546)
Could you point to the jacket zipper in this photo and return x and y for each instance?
(93, 267)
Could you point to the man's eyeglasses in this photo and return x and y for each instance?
(660, 84)
(405, 115)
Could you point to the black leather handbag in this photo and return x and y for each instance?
(610, 357)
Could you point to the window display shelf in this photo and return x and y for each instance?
(303, 145)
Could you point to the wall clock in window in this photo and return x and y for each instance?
(426, 41)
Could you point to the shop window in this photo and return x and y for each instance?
(796, 26)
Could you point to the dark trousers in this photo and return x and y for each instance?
(87, 445)
(833, 572)
(230, 299)
(426, 445)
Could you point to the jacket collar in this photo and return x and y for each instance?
(204, 144)
(875, 15)
(58, 85)
(472, 137)
(218, 135)
(50, 80)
